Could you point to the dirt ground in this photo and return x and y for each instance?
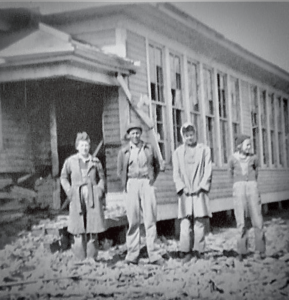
(29, 270)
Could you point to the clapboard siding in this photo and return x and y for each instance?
(98, 38)
(16, 155)
(273, 180)
(269, 181)
(136, 50)
(113, 182)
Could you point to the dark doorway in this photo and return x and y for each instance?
(79, 107)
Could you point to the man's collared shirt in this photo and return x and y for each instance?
(137, 161)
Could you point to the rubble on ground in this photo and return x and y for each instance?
(30, 269)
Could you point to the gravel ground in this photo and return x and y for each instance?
(30, 271)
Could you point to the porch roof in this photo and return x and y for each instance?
(45, 52)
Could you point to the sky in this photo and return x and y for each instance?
(260, 27)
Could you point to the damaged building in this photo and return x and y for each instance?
(96, 69)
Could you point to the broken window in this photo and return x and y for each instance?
(280, 135)
(176, 96)
(235, 100)
(272, 127)
(193, 95)
(254, 119)
(263, 112)
(209, 109)
(221, 82)
(286, 125)
(157, 94)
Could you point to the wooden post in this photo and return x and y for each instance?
(265, 208)
(177, 228)
(54, 155)
(280, 206)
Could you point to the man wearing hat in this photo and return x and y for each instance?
(243, 169)
(138, 168)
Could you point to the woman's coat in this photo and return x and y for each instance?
(201, 177)
(71, 181)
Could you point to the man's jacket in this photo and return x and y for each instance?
(123, 161)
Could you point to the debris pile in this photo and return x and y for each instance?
(31, 270)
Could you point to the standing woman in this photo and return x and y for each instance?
(83, 181)
(192, 174)
(243, 168)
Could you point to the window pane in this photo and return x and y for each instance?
(235, 100)
(193, 87)
(286, 124)
(177, 123)
(157, 94)
(265, 148)
(280, 144)
(224, 144)
(236, 131)
(210, 136)
(254, 119)
(272, 147)
(255, 140)
(208, 95)
(195, 119)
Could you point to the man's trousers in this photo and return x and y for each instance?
(140, 199)
(192, 234)
(247, 202)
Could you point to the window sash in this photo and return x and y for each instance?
(235, 100)
(177, 124)
(273, 152)
(193, 87)
(196, 120)
(224, 140)
(222, 96)
(211, 133)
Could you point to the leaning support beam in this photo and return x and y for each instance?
(97, 148)
(145, 119)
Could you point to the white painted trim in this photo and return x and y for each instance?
(61, 69)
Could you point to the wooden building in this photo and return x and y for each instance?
(96, 69)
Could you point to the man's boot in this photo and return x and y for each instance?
(92, 246)
(79, 246)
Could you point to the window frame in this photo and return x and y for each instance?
(223, 116)
(234, 110)
(177, 112)
(195, 115)
(155, 103)
(210, 114)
